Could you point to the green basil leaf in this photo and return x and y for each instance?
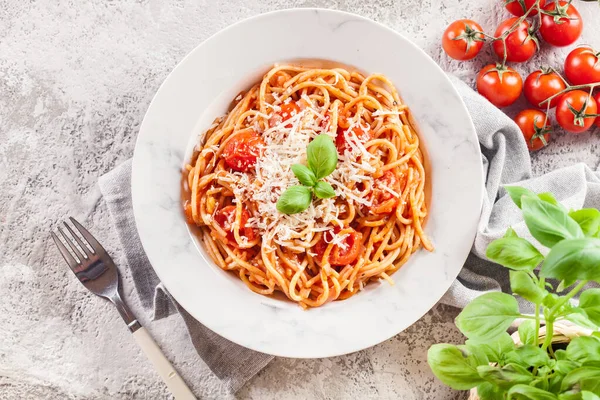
(514, 253)
(322, 156)
(489, 391)
(510, 232)
(570, 395)
(585, 395)
(527, 332)
(550, 300)
(584, 378)
(563, 367)
(588, 219)
(549, 198)
(528, 355)
(506, 376)
(560, 354)
(476, 355)
(324, 190)
(304, 174)
(488, 316)
(579, 317)
(555, 382)
(294, 200)
(548, 223)
(572, 260)
(494, 349)
(583, 349)
(589, 301)
(517, 192)
(522, 284)
(452, 366)
(522, 392)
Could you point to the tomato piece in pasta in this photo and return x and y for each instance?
(386, 192)
(287, 111)
(343, 254)
(225, 217)
(241, 152)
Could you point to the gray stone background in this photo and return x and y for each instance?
(76, 77)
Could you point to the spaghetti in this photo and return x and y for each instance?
(334, 248)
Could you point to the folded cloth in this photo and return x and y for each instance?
(231, 363)
(505, 159)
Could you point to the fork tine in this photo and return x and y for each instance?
(64, 252)
(85, 249)
(72, 245)
(94, 244)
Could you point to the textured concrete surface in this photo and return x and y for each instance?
(75, 80)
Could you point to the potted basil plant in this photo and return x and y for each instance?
(533, 363)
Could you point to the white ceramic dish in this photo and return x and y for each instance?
(201, 87)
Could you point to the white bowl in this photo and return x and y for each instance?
(201, 87)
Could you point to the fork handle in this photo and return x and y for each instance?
(166, 371)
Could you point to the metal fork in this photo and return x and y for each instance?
(94, 268)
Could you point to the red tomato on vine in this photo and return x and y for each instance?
(576, 111)
(462, 39)
(535, 127)
(499, 84)
(542, 84)
(518, 8)
(582, 66)
(521, 44)
(561, 23)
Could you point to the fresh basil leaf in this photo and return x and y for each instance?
(494, 349)
(514, 253)
(589, 301)
(550, 300)
(548, 223)
(322, 156)
(572, 260)
(522, 284)
(555, 382)
(488, 316)
(324, 190)
(453, 367)
(506, 376)
(560, 354)
(528, 355)
(527, 332)
(294, 200)
(570, 395)
(489, 391)
(476, 355)
(522, 392)
(579, 317)
(510, 232)
(517, 192)
(563, 367)
(585, 395)
(304, 174)
(584, 378)
(549, 198)
(583, 349)
(588, 219)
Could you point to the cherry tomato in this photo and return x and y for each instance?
(597, 98)
(502, 86)
(515, 7)
(385, 202)
(286, 112)
(520, 44)
(566, 29)
(574, 118)
(462, 39)
(225, 217)
(535, 128)
(582, 66)
(340, 138)
(340, 255)
(542, 84)
(241, 151)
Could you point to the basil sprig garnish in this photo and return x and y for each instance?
(322, 159)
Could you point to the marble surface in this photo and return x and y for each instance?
(76, 78)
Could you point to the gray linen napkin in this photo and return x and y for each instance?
(505, 160)
(234, 365)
